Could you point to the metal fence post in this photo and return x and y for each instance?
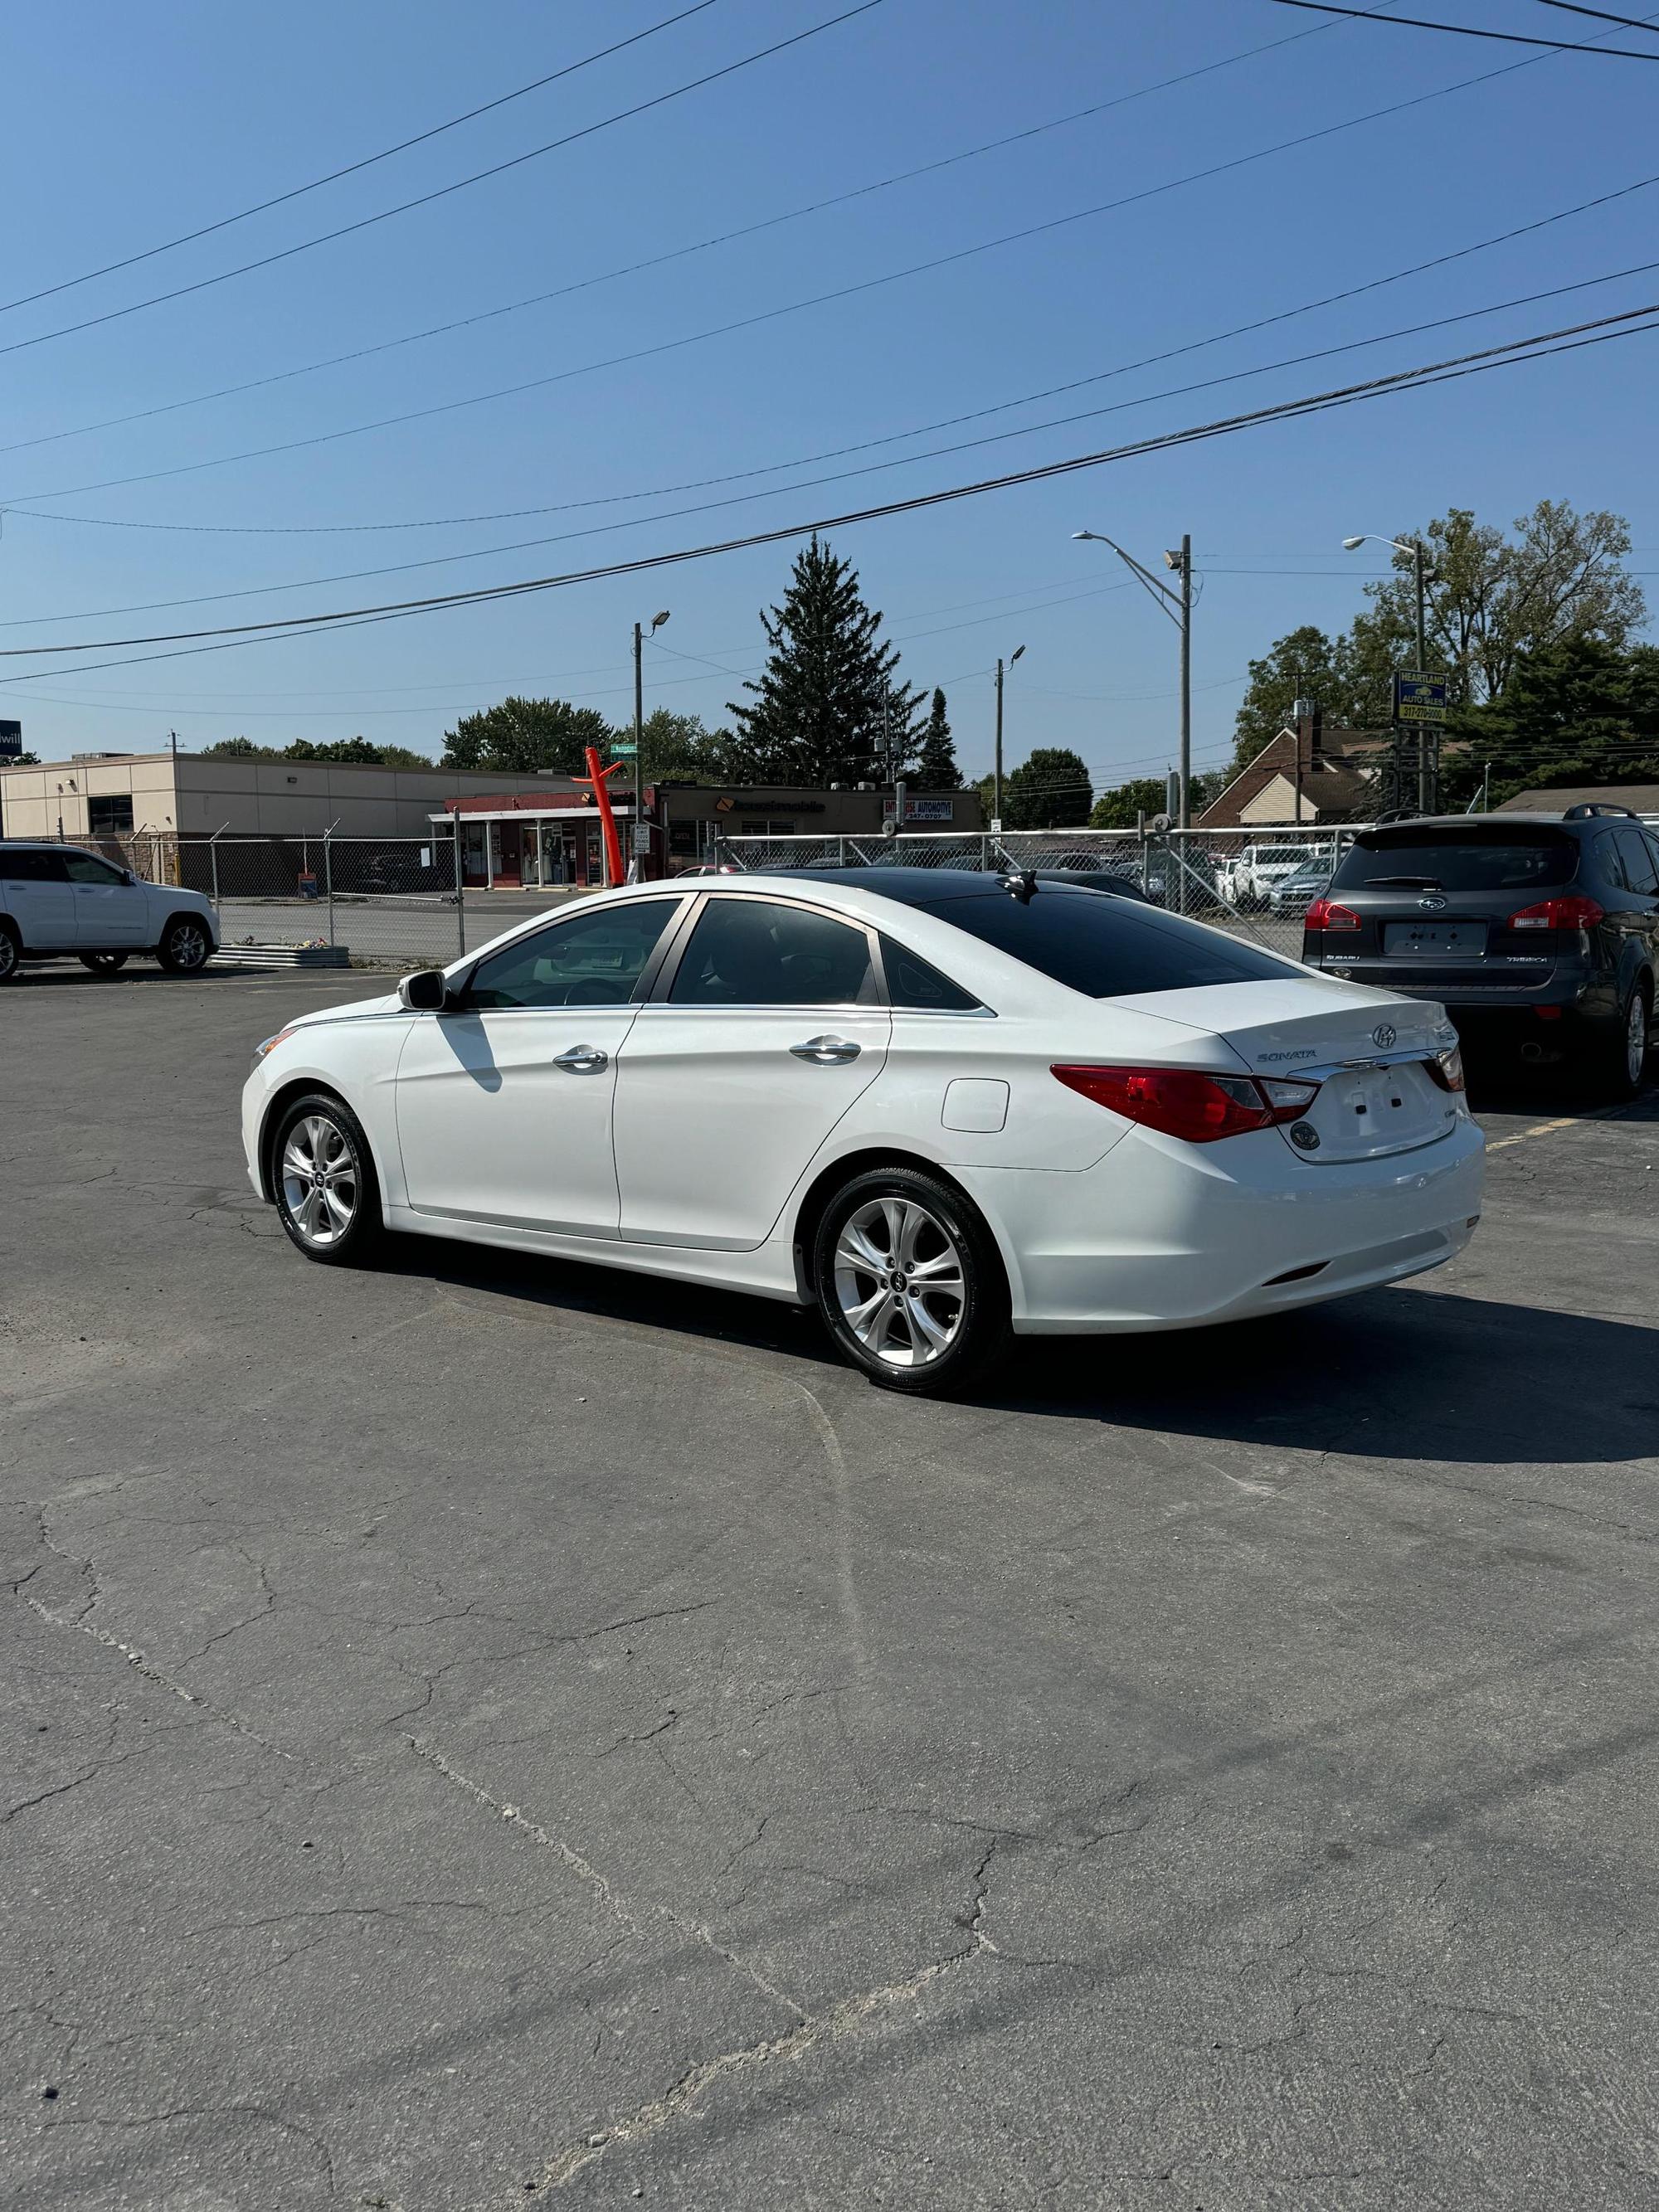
(213, 856)
(328, 877)
(460, 891)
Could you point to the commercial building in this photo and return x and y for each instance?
(190, 795)
(550, 834)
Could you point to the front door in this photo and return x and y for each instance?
(109, 911)
(38, 897)
(728, 1086)
(504, 1102)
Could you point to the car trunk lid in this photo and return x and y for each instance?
(1369, 1053)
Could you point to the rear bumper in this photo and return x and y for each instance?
(1160, 1235)
(1557, 983)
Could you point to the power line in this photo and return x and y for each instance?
(1469, 31)
(352, 168)
(443, 191)
(507, 514)
(840, 476)
(1571, 8)
(653, 261)
(1540, 345)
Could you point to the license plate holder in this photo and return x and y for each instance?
(1435, 941)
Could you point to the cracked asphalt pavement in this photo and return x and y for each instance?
(485, 1732)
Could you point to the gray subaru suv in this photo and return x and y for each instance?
(1536, 930)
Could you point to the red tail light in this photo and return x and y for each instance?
(1322, 914)
(1446, 1068)
(1572, 913)
(1184, 1102)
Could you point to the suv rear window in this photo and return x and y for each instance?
(1518, 859)
(1106, 948)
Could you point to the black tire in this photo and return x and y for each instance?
(897, 1349)
(321, 1128)
(186, 945)
(1618, 1071)
(103, 963)
(11, 954)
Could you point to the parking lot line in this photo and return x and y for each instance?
(1543, 1129)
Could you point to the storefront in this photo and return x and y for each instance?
(530, 842)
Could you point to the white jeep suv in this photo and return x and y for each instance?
(59, 901)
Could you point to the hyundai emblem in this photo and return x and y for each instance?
(1383, 1036)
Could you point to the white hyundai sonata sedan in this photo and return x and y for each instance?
(941, 1107)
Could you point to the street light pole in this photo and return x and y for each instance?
(1178, 605)
(996, 772)
(640, 636)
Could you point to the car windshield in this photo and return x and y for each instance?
(1106, 948)
(1457, 861)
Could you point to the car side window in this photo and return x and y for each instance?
(87, 868)
(593, 960)
(1637, 857)
(26, 867)
(756, 952)
(912, 983)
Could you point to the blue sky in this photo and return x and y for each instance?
(127, 127)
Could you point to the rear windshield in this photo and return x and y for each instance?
(1106, 948)
(1455, 860)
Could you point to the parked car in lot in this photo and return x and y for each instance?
(940, 1107)
(1533, 929)
(1296, 893)
(1247, 879)
(60, 902)
(1108, 880)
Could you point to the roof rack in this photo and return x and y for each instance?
(1588, 809)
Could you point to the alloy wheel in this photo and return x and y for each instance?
(319, 1180)
(187, 946)
(900, 1282)
(8, 956)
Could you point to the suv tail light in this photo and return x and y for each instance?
(1186, 1102)
(1446, 1068)
(1573, 912)
(1322, 914)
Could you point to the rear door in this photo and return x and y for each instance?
(110, 913)
(1638, 918)
(38, 897)
(766, 1027)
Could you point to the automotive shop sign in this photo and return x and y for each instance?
(1421, 699)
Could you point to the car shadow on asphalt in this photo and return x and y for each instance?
(1402, 1374)
(1398, 1373)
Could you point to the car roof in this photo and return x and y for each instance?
(1478, 826)
(905, 886)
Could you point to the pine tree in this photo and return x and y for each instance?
(827, 697)
(937, 768)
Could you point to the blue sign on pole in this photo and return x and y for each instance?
(1421, 699)
(11, 739)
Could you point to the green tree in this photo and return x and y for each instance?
(239, 749)
(1491, 599)
(936, 766)
(1049, 790)
(828, 693)
(1117, 809)
(682, 749)
(526, 737)
(1577, 712)
(1304, 664)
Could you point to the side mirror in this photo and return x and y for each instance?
(424, 993)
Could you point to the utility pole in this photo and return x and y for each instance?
(1186, 680)
(996, 774)
(1426, 743)
(641, 844)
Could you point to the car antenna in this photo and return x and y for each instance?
(1020, 884)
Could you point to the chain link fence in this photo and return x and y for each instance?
(396, 901)
(1256, 884)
